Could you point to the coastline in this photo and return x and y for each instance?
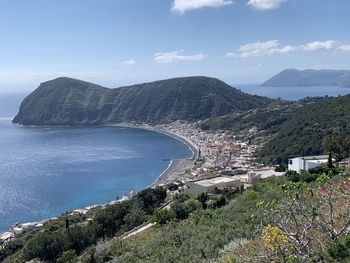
(176, 168)
(173, 172)
(194, 148)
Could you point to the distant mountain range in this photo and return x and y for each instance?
(66, 101)
(309, 77)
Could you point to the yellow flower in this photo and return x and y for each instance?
(273, 237)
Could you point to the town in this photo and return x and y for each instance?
(220, 160)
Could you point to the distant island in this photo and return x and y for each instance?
(309, 77)
(66, 101)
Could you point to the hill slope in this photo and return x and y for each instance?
(309, 77)
(66, 101)
(306, 129)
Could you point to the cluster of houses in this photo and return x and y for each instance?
(19, 228)
(227, 162)
(223, 160)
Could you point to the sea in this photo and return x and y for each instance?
(292, 93)
(46, 171)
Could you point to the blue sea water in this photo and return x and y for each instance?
(47, 171)
(292, 93)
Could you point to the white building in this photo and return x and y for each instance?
(306, 163)
(195, 188)
(6, 236)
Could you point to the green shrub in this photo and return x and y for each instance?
(68, 256)
(163, 216)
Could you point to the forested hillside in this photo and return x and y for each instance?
(306, 129)
(67, 101)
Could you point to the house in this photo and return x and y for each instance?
(6, 236)
(306, 163)
(195, 188)
(20, 228)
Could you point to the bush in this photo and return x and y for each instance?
(181, 210)
(340, 248)
(218, 201)
(163, 216)
(281, 168)
(59, 241)
(172, 187)
(301, 177)
(46, 246)
(9, 248)
(68, 256)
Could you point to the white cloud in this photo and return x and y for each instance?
(176, 56)
(273, 47)
(231, 55)
(129, 62)
(182, 6)
(317, 45)
(344, 47)
(259, 49)
(263, 5)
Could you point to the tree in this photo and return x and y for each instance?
(203, 198)
(339, 146)
(163, 216)
(151, 198)
(312, 218)
(330, 160)
(67, 223)
(181, 210)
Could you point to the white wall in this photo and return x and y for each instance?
(297, 164)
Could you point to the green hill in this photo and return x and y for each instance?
(66, 101)
(306, 129)
(269, 118)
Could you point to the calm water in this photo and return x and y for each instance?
(46, 171)
(292, 93)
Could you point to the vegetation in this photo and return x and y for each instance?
(296, 218)
(300, 217)
(338, 146)
(67, 101)
(269, 118)
(203, 234)
(57, 243)
(308, 129)
(257, 226)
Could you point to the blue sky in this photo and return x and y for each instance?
(121, 42)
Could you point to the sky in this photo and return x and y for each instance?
(123, 42)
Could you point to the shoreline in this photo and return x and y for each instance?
(194, 148)
(176, 167)
(170, 174)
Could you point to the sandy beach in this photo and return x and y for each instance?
(176, 168)
(175, 171)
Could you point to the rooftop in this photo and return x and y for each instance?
(216, 181)
(316, 157)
